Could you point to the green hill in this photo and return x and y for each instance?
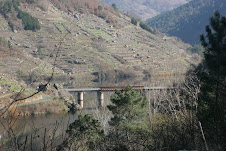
(188, 21)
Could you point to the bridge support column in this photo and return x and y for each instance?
(101, 99)
(80, 99)
(147, 95)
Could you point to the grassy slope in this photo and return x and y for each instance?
(16, 65)
(94, 45)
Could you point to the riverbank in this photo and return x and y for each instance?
(39, 104)
(47, 106)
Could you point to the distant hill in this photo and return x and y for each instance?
(188, 21)
(146, 8)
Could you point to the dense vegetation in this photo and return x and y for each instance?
(131, 128)
(212, 75)
(9, 8)
(187, 21)
(146, 27)
(29, 22)
(197, 49)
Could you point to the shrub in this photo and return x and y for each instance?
(6, 6)
(114, 7)
(29, 22)
(172, 133)
(197, 49)
(111, 20)
(10, 45)
(146, 27)
(134, 21)
(100, 8)
(102, 15)
(3, 42)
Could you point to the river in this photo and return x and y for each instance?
(52, 127)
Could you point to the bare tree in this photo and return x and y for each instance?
(174, 122)
(9, 116)
(179, 100)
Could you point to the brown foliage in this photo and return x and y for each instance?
(111, 19)
(87, 6)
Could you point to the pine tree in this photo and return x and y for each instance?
(84, 133)
(213, 96)
(128, 123)
(128, 107)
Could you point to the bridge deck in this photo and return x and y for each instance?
(112, 89)
(83, 89)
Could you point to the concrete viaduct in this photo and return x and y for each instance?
(100, 92)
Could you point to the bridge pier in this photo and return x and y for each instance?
(147, 95)
(80, 99)
(101, 99)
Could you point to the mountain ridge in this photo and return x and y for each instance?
(145, 9)
(188, 21)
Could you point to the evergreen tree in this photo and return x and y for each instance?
(9, 45)
(30, 23)
(128, 123)
(213, 91)
(114, 7)
(146, 27)
(128, 107)
(134, 21)
(100, 8)
(85, 133)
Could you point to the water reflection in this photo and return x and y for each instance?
(51, 127)
(160, 80)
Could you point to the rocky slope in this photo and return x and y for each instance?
(92, 47)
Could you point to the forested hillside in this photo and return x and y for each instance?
(146, 8)
(189, 20)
